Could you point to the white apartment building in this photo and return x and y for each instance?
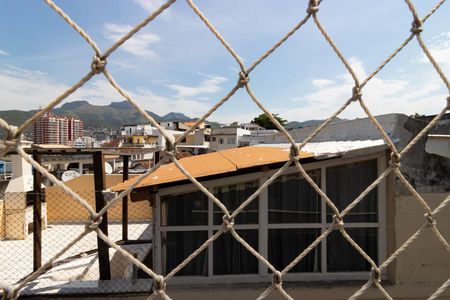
(227, 138)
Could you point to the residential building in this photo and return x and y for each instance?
(84, 142)
(178, 125)
(257, 134)
(46, 129)
(227, 138)
(53, 129)
(76, 128)
(196, 142)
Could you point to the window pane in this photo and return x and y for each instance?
(232, 196)
(230, 257)
(293, 200)
(346, 182)
(178, 245)
(341, 256)
(184, 209)
(286, 244)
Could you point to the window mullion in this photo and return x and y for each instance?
(157, 236)
(323, 216)
(210, 233)
(263, 222)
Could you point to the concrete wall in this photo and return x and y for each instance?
(426, 262)
(63, 208)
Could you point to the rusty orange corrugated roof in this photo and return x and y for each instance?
(214, 163)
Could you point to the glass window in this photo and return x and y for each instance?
(293, 200)
(231, 140)
(184, 209)
(230, 257)
(346, 182)
(295, 220)
(343, 257)
(232, 197)
(286, 244)
(178, 245)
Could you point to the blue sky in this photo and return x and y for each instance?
(176, 64)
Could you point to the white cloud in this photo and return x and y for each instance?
(209, 85)
(123, 64)
(439, 47)
(138, 45)
(25, 90)
(322, 82)
(380, 95)
(153, 5)
(4, 53)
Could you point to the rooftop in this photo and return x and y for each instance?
(232, 160)
(214, 163)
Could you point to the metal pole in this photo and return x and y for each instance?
(37, 216)
(99, 183)
(125, 200)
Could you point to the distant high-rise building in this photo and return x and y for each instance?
(53, 129)
(76, 129)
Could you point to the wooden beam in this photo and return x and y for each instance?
(125, 200)
(37, 216)
(99, 184)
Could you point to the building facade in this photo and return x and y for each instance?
(227, 138)
(53, 129)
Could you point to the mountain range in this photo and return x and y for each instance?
(96, 116)
(115, 114)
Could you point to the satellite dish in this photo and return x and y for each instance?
(69, 175)
(108, 168)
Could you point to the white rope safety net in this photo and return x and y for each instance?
(99, 66)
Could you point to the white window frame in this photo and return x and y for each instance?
(263, 226)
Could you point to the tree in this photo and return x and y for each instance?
(264, 121)
(416, 116)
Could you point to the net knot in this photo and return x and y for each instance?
(159, 284)
(277, 278)
(94, 222)
(356, 93)
(170, 153)
(294, 152)
(395, 160)
(12, 139)
(228, 223)
(416, 26)
(313, 7)
(338, 223)
(98, 64)
(243, 79)
(430, 218)
(375, 274)
(169, 149)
